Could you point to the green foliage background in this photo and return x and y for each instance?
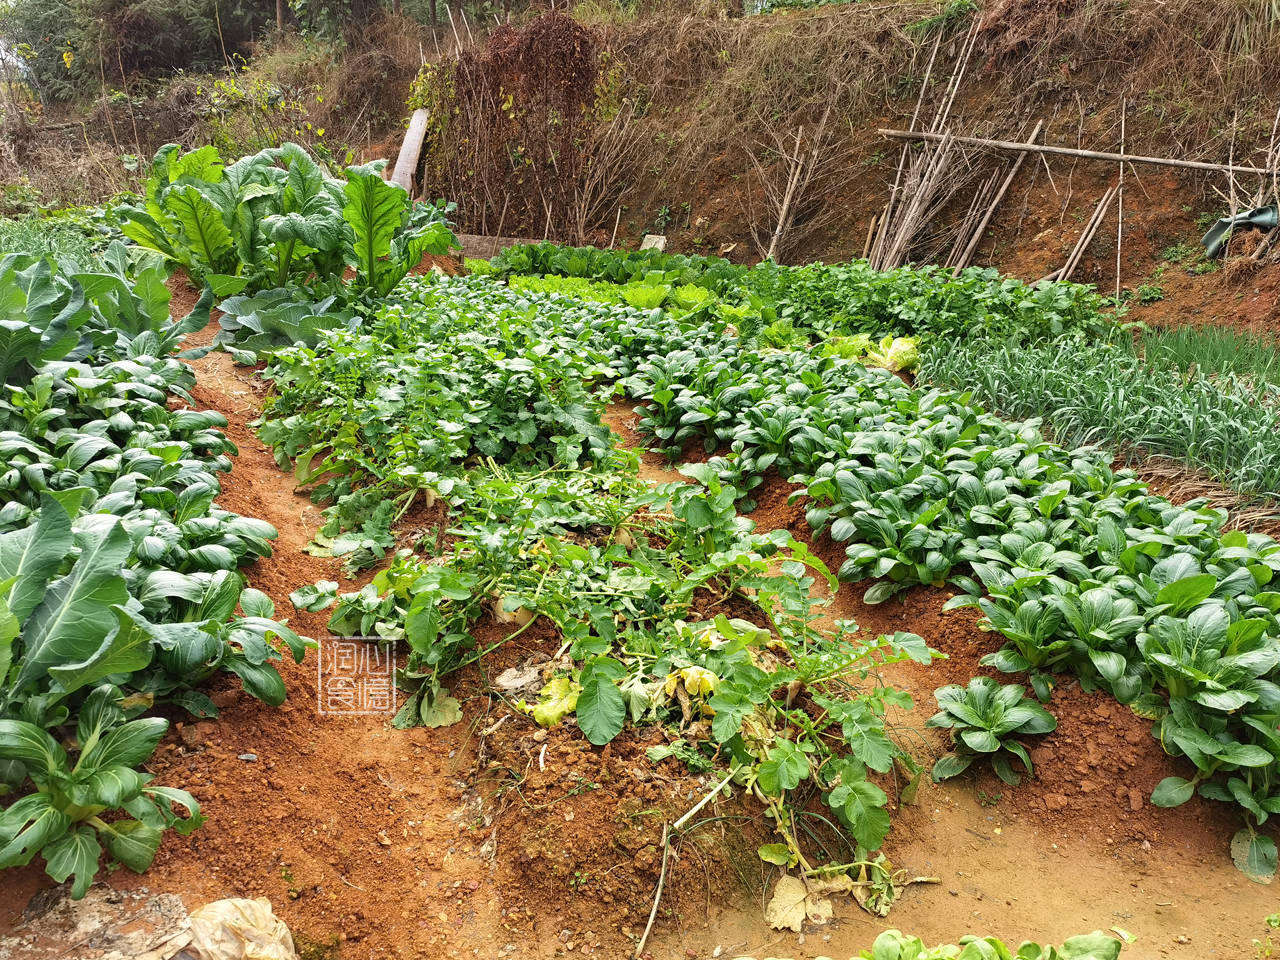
(109, 37)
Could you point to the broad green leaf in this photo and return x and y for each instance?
(75, 615)
(19, 345)
(601, 709)
(224, 285)
(24, 741)
(165, 797)
(557, 698)
(132, 842)
(861, 805)
(1185, 594)
(783, 769)
(1110, 665)
(26, 826)
(255, 603)
(315, 597)
(374, 210)
(951, 765)
(260, 679)
(9, 630)
(863, 732)
(74, 853)
(1172, 792)
(202, 164)
(982, 741)
(1254, 855)
(31, 556)
(109, 787)
(730, 707)
(778, 853)
(440, 710)
(130, 744)
(1090, 946)
(202, 223)
(126, 649)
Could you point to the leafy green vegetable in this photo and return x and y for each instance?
(276, 218)
(984, 718)
(118, 582)
(893, 945)
(62, 818)
(385, 242)
(839, 298)
(277, 318)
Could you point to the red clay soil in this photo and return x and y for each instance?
(494, 838)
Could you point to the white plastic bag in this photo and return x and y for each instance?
(239, 929)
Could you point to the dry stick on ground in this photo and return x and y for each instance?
(106, 106)
(657, 897)
(797, 161)
(1267, 242)
(666, 847)
(456, 39)
(967, 255)
(1269, 186)
(957, 77)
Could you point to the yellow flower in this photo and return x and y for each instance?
(698, 681)
(68, 57)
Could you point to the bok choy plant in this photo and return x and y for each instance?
(985, 718)
(277, 219)
(119, 586)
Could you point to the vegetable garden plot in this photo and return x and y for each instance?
(1076, 564)
(118, 582)
(827, 299)
(665, 600)
(1107, 394)
(667, 605)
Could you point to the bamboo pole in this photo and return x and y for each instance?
(1086, 237)
(978, 206)
(1091, 226)
(878, 240)
(934, 168)
(1072, 152)
(1120, 198)
(871, 232)
(965, 257)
